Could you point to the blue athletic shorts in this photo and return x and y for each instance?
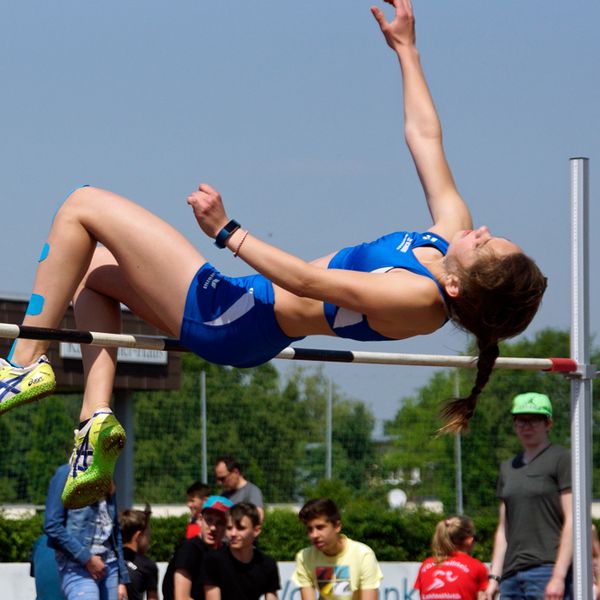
(230, 320)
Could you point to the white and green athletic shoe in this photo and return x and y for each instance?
(21, 385)
(97, 447)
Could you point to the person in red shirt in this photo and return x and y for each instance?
(451, 573)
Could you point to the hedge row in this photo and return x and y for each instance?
(393, 535)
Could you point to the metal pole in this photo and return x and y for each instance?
(458, 454)
(203, 412)
(329, 433)
(581, 384)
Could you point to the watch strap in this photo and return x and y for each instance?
(224, 234)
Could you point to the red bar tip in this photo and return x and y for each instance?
(563, 365)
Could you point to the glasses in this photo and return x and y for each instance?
(529, 421)
(222, 478)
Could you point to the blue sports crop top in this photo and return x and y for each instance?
(392, 251)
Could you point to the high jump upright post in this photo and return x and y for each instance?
(581, 382)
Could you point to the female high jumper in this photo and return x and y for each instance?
(103, 249)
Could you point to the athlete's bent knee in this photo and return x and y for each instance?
(76, 200)
(66, 200)
(82, 195)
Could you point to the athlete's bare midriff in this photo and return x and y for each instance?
(299, 317)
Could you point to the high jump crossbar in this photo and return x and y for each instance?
(147, 342)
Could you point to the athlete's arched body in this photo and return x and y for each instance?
(402, 285)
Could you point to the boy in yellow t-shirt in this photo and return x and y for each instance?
(336, 566)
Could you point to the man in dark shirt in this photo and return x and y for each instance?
(240, 571)
(184, 573)
(533, 545)
(143, 572)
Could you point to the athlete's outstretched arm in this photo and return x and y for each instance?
(422, 127)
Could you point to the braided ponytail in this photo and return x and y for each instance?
(457, 412)
(498, 298)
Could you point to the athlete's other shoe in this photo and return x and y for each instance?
(97, 447)
(21, 385)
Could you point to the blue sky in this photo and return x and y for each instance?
(293, 111)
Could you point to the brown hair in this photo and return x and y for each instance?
(244, 509)
(131, 521)
(198, 489)
(498, 298)
(449, 536)
(320, 507)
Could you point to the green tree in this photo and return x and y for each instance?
(353, 450)
(419, 460)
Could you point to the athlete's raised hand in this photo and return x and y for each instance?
(208, 209)
(400, 31)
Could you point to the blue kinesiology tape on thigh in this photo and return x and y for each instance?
(35, 306)
(44, 253)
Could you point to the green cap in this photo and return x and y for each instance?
(532, 403)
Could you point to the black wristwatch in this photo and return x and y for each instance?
(224, 234)
(494, 577)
